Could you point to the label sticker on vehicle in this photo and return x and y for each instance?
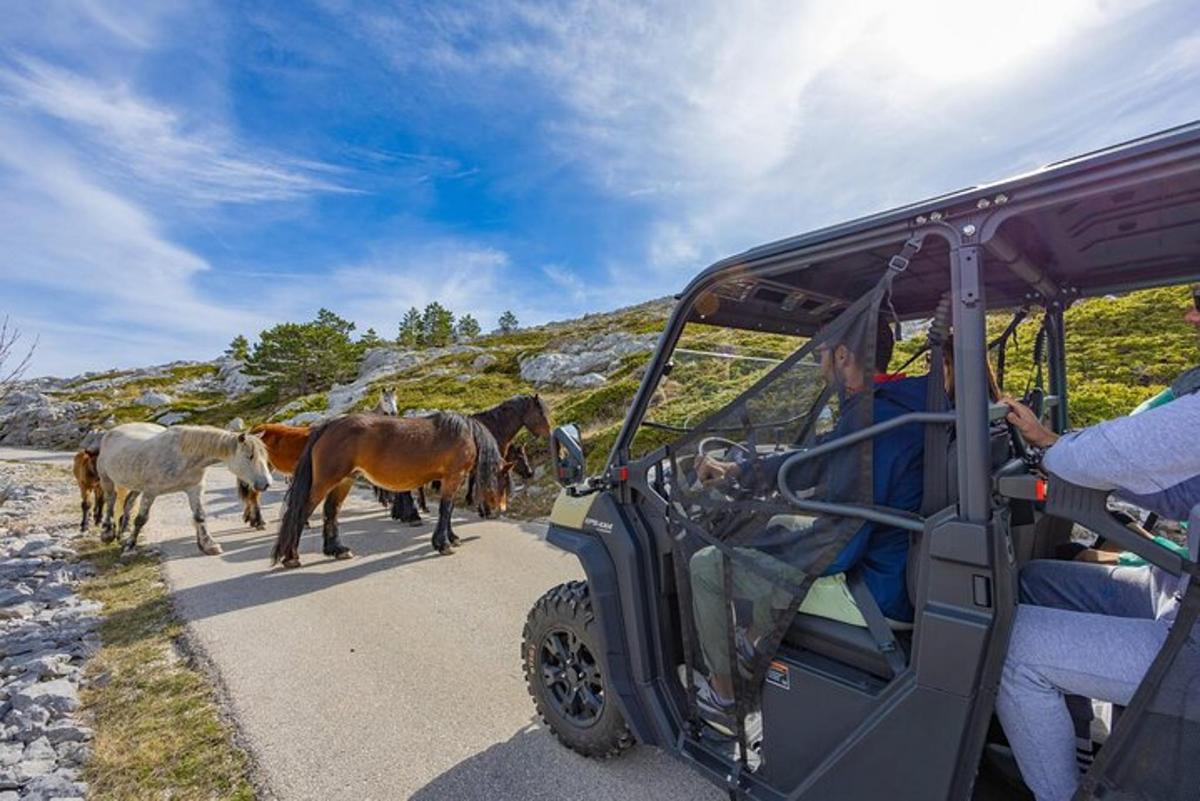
(777, 674)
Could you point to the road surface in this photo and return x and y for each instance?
(392, 675)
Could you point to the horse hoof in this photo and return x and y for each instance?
(212, 549)
(291, 564)
(260, 526)
(445, 550)
(414, 523)
(107, 536)
(344, 554)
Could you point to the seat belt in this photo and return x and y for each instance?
(1000, 343)
(881, 632)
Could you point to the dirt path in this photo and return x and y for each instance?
(393, 675)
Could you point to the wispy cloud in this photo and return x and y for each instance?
(156, 146)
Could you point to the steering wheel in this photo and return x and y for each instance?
(709, 444)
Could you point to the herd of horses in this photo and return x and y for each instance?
(135, 463)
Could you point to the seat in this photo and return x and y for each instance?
(851, 645)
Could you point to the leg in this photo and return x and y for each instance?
(98, 501)
(139, 522)
(441, 532)
(708, 607)
(332, 545)
(108, 533)
(1095, 588)
(404, 510)
(127, 509)
(83, 496)
(1054, 652)
(203, 541)
(421, 499)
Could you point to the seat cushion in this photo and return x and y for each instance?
(851, 645)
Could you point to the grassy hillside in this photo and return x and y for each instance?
(1120, 351)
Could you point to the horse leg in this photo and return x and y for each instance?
(127, 510)
(404, 510)
(107, 533)
(332, 545)
(98, 500)
(421, 499)
(139, 522)
(441, 533)
(203, 541)
(83, 497)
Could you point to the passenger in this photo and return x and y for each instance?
(878, 551)
(1091, 629)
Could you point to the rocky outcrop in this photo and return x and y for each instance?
(580, 364)
(33, 418)
(46, 633)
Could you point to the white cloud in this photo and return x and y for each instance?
(153, 144)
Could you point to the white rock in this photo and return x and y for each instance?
(484, 361)
(587, 381)
(171, 418)
(58, 696)
(153, 398)
(584, 357)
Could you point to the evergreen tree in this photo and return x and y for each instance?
(238, 349)
(301, 358)
(508, 322)
(369, 339)
(437, 325)
(410, 329)
(466, 329)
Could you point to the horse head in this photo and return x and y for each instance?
(520, 461)
(536, 416)
(249, 462)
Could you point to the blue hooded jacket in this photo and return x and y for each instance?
(878, 551)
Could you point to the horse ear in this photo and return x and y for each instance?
(241, 437)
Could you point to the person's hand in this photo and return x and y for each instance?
(711, 471)
(1028, 425)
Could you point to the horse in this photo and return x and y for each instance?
(504, 420)
(396, 453)
(387, 402)
(284, 445)
(84, 468)
(402, 507)
(150, 460)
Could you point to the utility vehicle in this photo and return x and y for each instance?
(867, 709)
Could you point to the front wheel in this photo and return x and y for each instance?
(560, 652)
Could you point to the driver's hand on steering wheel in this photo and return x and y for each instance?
(711, 471)
(1028, 425)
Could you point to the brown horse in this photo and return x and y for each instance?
(284, 446)
(88, 479)
(504, 420)
(396, 453)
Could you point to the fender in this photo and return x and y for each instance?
(603, 589)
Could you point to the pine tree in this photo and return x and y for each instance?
(437, 325)
(466, 329)
(369, 339)
(410, 329)
(238, 349)
(302, 358)
(508, 322)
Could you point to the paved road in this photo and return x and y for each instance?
(392, 675)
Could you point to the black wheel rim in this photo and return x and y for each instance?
(571, 678)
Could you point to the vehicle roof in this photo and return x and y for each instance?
(1116, 219)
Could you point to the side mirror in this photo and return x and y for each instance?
(567, 447)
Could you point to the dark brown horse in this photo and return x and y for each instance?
(284, 444)
(396, 453)
(505, 421)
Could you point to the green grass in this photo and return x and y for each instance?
(158, 734)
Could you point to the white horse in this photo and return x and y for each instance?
(149, 460)
(387, 402)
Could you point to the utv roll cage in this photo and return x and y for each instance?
(909, 712)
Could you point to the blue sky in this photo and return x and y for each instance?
(173, 174)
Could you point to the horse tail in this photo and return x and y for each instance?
(296, 499)
(489, 464)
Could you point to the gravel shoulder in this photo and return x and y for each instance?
(392, 675)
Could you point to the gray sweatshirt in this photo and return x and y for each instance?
(1152, 458)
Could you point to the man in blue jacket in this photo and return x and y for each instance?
(788, 548)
